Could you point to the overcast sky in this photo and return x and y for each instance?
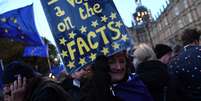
(125, 7)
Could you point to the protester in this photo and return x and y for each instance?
(176, 50)
(30, 86)
(112, 81)
(187, 65)
(143, 52)
(154, 73)
(96, 86)
(71, 83)
(163, 53)
(156, 77)
(127, 86)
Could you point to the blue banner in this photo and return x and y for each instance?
(36, 51)
(19, 25)
(85, 29)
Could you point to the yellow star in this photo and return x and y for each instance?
(113, 15)
(104, 19)
(94, 23)
(83, 29)
(3, 19)
(62, 41)
(92, 57)
(124, 37)
(115, 46)
(71, 64)
(71, 35)
(64, 54)
(118, 24)
(14, 20)
(6, 30)
(82, 61)
(105, 51)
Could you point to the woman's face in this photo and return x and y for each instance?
(117, 67)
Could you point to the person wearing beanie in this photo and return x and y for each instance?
(186, 66)
(163, 53)
(17, 68)
(22, 83)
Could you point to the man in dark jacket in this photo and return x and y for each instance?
(163, 53)
(187, 65)
(159, 82)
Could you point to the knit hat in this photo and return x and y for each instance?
(17, 68)
(161, 50)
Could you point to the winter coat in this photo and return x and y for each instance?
(46, 90)
(132, 90)
(186, 67)
(159, 82)
(73, 90)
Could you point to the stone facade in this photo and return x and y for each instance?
(176, 17)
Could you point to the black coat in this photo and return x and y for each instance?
(73, 90)
(159, 82)
(186, 68)
(46, 90)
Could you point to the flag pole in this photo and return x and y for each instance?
(1, 63)
(48, 60)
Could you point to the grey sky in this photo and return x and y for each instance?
(125, 7)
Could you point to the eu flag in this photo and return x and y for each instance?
(57, 69)
(19, 25)
(36, 51)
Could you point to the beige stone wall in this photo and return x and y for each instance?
(178, 16)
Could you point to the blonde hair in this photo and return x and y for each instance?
(144, 52)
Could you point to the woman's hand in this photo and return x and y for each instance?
(7, 94)
(18, 89)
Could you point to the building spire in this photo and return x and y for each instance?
(138, 2)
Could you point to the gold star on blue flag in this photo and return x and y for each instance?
(71, 64)
(87, 34)
(92, 56)
(104, 19)
(94, 23)
(105, 51)
(22, 18)
(82, 61)
(62, 41)
(113, 15)
(64, 53)
(72, 35)
(83, 29)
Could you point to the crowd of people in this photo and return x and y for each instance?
(157, 73)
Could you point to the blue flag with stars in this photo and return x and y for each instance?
(85, 29)
(36, 51)
(19, 25)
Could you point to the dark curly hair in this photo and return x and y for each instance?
(190, 35)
